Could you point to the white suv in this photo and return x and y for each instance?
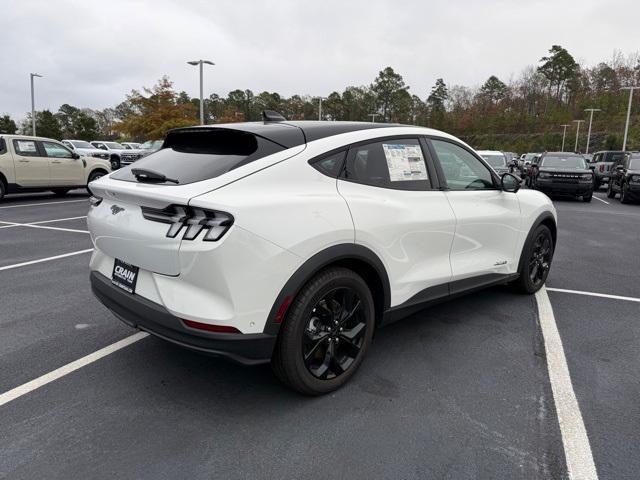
(291, 242)
(29, 164)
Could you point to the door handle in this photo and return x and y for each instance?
(23, 160)
(56, 161)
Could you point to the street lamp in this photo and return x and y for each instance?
(626, 125)
(201, 63)
(320, 107)
(564, 133)
(577, 133)
(591, 110)
(33, 105)
(373, 117)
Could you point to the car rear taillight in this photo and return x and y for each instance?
(211, 328)
(601, 167)
(195, 219)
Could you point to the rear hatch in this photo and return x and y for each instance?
(144, 204)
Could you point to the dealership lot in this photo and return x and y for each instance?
(461, 390)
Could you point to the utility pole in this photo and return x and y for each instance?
(626, 125)
(373, 117)
(320, 107)
(564, 133)
(577, 133)
(33, 105)
(591, 110)
(201, 63)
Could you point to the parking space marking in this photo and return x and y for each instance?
(13, 224)
(40, 260)
(43, 203)
(32, 225)
(577, 450)
(68, 368)
(594, 294)
(603, 201)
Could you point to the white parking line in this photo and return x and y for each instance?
(31, 262)
(594, 294)
(43, 203)
(33, 225)
(603, 201)
(13, 224)
(577, 450)
(68, 368)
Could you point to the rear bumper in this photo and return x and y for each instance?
(138, 312)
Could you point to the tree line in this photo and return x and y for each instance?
(521, 114)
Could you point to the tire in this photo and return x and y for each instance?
(60, 192)
(610, 192)
(3, 189)
(315, 355)
(624, 194)
(587, 198)
(535, 262)
(596, 185)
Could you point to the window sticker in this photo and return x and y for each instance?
(27, 147)
(405, 162)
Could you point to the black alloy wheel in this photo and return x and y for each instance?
(326, 333)
(334, 334)
(540, 258)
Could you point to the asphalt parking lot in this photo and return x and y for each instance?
(474, 388)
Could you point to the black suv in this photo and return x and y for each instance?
(563, 173)
(625, 178)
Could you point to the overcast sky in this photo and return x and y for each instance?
(92, 53)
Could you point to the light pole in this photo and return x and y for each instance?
(373, 117)
(626, 125)
(33, 105)
(201, 63)
(320, 107)
(591, 110)
(564, 133)
(577, 133)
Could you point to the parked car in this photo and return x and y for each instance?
(625, 178)
(601, 164)
(130, 145)
(496, 159)
(31, 164)
(563, 173)
(84, 148)
(291, 242)
(118, 153)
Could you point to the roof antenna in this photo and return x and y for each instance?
(271, 116)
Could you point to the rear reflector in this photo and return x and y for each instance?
(283, 309)
(211, 328)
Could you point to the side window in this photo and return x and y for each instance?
(3, 146)
(27, 148)
(330, 165)
(56, 150)
(395, 163)
(461, 169)
(100, 146)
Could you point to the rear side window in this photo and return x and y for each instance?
(395, 163)
(28, 148)
(3, 146)
(331, 165)
(195, 155)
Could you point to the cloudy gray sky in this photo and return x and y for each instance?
(92, 53)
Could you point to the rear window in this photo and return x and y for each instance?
(195, 155)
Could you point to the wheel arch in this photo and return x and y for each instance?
(96, 170)
(4, 181)
(547, 219)
(355, 257)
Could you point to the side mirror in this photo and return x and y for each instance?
(510, 183)
(75, 156)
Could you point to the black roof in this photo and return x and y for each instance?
(292, 133)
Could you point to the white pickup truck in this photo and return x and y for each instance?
(31, 164)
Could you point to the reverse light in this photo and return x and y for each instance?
(195, 219)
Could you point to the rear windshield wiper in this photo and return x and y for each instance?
(143, 175)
